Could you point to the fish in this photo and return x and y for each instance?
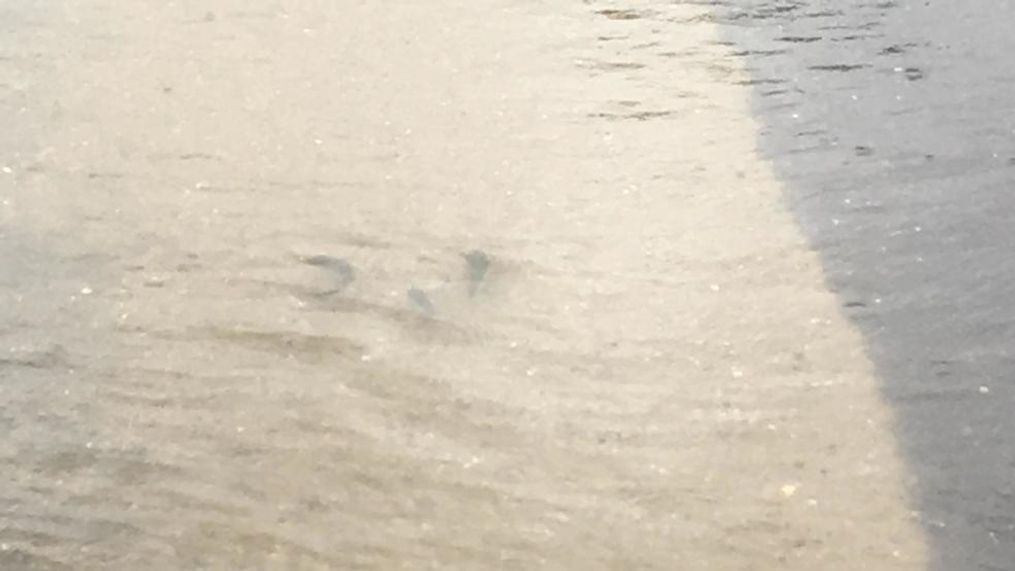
(477, 263)
(341, 269)
(420, 300)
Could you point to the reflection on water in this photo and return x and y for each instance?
(398, 285)
(891, 122)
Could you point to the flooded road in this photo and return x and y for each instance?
(490, 284)
(892, 123)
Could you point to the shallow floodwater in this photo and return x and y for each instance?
(893, 123)
(491, 284)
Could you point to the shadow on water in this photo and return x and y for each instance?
(891, 124)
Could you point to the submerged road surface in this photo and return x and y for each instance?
(450, 285)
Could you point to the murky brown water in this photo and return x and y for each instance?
(649, 374)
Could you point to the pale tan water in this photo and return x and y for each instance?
(651, 374)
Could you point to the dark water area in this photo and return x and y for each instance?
(892, 126)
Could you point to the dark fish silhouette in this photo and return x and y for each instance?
(477, 263)
(342, 270)
(420, 300)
